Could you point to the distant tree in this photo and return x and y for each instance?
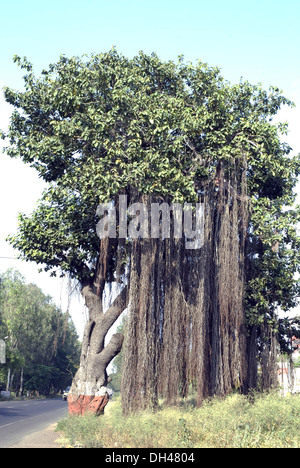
(39, 337)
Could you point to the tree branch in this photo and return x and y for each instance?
(115, 310)
(109, 352)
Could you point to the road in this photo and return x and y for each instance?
(21, 418)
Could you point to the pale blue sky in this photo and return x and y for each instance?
(258, 40)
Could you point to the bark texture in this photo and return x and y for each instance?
(186, 315)
(89, 387)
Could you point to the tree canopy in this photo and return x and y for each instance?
(95, 126)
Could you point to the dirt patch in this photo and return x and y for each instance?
(42, 439)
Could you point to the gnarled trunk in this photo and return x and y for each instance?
(89, 388)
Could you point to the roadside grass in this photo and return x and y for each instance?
(264, 421)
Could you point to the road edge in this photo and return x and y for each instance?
(46, 438)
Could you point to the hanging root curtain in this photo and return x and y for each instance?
(186, 319)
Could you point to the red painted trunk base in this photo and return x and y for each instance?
(80, 404)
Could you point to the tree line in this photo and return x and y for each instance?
(42, 346)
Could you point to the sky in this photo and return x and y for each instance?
(258, 41)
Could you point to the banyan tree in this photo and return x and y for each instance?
(174, 184)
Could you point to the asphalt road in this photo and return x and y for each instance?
(21, 418)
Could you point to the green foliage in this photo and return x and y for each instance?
(41, 378)
(268, 421)
(41, 339)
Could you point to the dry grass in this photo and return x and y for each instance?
(267, 421)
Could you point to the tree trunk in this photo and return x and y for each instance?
(21, 381)
(89, 388)
(8, 379)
